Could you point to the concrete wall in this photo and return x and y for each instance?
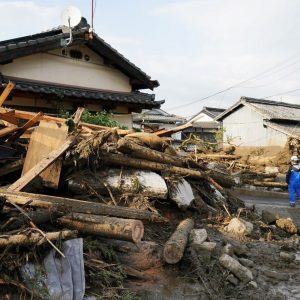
(245, 127)
(58, 68)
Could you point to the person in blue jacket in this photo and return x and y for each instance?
(293, 180)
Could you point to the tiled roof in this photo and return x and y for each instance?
(143, 99)
(157, 115)
(268, 109)
(213, 111)
(292, 130)
(51, 40)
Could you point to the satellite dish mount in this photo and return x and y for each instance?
(71, 17)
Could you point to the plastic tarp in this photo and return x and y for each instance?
(65, 276)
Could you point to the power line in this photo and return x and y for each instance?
(237, 85)
(286, 92)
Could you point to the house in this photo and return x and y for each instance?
(204, 124)
(90, 73)
(260, 123)
(155, 119)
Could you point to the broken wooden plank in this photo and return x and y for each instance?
(26, 126)
(8, 130)
(169, 132)
(78, 115)
(9, 117)
(6, 92)
(219, 156)
(12, 167)
(25, 115)
(41, 166)
(47, 137)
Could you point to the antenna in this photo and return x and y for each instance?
(70, 17)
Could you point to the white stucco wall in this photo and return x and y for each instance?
(246, 128)
(56, 68)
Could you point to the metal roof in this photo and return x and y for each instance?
(51, 40)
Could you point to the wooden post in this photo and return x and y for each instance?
(6, 92)
(175, 246)
(8, 130)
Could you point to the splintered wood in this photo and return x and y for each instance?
(46, 138)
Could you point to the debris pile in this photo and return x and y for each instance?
(82, 180)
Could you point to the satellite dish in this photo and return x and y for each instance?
(70, 17)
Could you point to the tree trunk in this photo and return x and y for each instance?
(35, 238)
(225, 181)
(175, 246)
(128, 146)
(37, 217)
(80, 206)
(115, 228)
(122, 160)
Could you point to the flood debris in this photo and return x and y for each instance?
(141, 211)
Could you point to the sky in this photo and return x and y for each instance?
(194, 48)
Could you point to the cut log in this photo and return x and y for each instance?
(115, 228)
(175, 246)
(128, 146)
(72, 205)
(12, 167)
(6, 92)
(47, 137)
(35, 238)
(41, 166)
(122, 160)
(169, 132)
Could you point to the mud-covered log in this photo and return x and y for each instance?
(266, 184)
(35, 238)
(109, 227)
(175, 246)
(128, 146)
(122, 160)
(225, 181)
(41, 216)
(219, 156)
(80, 206)
(170, 131)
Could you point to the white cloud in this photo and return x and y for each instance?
(18, 18)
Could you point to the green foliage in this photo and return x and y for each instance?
(100, 118)
(219, 135)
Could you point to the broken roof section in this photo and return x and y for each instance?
(51, 40)
(268, 109)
